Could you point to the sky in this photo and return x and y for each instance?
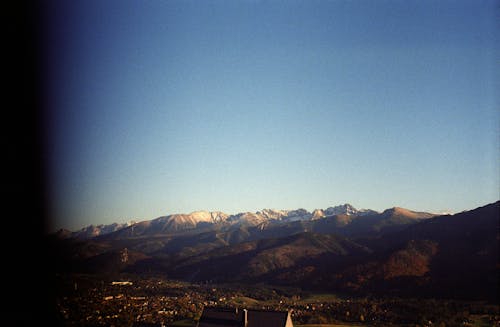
(162, 107)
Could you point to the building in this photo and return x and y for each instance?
(121, 283)
(218, 317)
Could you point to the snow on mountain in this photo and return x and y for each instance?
(181, 222)
(285, 215)
(251, 219)
(178, 222)
(272, 214)
(318, 214)
(344, 209)
(299, 214)
(218, 216)
(93, 231)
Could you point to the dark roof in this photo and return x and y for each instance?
(215, 317)
(266, 318)
(220, 317)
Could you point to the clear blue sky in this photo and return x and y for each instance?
(161, 107)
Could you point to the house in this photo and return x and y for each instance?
(218, 317)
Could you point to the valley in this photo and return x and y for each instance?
(398, 267)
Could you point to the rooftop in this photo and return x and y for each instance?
(214, 317)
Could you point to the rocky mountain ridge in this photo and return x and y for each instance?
(202, 219)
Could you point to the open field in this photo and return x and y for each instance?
(319, 298)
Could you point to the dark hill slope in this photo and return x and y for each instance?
(447, 256)
(267, 259)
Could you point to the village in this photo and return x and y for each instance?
(87, 300)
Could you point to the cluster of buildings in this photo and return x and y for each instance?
(157, 302)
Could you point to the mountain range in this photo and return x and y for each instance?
(203, 220)
(397, 251)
